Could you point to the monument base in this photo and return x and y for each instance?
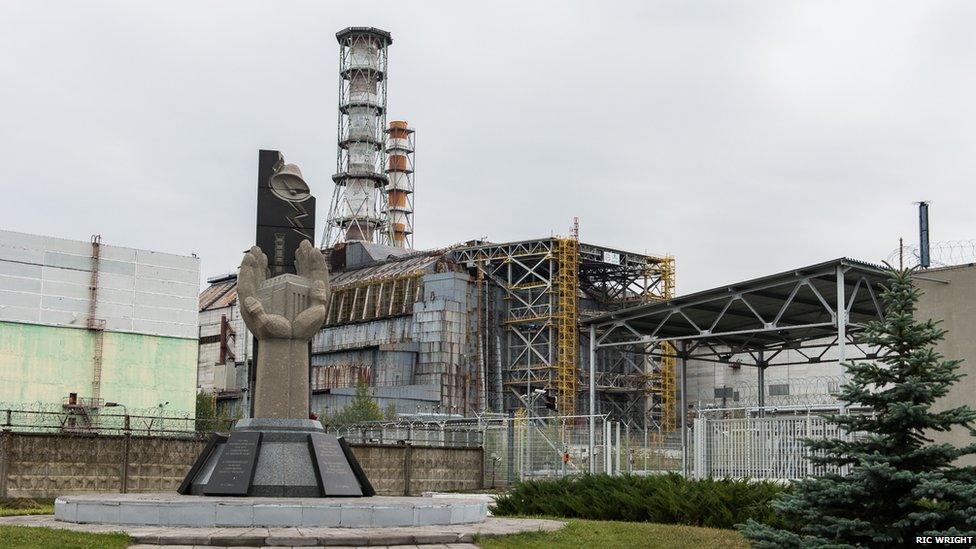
(277, 458)
(218, 512)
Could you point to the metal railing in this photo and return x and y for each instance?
(447, 433)
(770, 448)
(520, 448)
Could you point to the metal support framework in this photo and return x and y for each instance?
(357, 208)
(545, 284)
(567, 323)
(794, 317)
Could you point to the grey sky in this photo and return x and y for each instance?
(741, 137)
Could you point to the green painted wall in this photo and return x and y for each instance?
(45, 363)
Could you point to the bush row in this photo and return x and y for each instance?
(670, 499)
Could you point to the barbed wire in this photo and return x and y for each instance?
(56, 418)
(941, 254)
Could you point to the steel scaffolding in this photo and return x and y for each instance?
(546, 286)
(567, 324)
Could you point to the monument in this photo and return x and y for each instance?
(280, 452)
(278, 468)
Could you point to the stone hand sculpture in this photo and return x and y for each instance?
(283, 313)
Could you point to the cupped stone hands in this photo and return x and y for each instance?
(309, 264)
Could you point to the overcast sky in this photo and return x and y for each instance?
(744, 138)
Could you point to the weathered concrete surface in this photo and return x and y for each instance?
(955, 305)
(172, 510)
(282, 378)
(417, 535)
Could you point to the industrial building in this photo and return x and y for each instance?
(83, 323)
(478, 327)
(481, 327)
(470, 328)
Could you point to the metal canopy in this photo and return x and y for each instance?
(808, 311)
(776, 312)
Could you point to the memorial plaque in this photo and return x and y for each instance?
(187, 485)
(336, 476)
(234, 471)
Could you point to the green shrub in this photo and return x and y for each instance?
(670, 499)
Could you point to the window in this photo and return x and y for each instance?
(780, 389)
(723, 392)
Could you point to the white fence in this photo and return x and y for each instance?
(520, 448)
(761, 447)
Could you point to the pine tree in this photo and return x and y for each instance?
(900, 483)
(362, 408)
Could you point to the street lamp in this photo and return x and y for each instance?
(125, 412)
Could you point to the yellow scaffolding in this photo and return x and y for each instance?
(566, 318)
(663, 382)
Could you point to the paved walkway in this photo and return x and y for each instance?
(459, 535)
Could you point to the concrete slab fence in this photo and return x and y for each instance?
(43, 465)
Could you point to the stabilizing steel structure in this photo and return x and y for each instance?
(548, 285)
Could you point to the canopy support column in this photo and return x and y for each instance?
(592, 399)
(683, 406)
(841, 329)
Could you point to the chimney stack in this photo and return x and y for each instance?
(357, 202)
(399, 190)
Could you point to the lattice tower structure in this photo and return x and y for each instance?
(357, 209)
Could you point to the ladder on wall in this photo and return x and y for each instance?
(96, 326)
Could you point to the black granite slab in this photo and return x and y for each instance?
(187, 484)
(357, 469)
(234, 471)
(336, 476)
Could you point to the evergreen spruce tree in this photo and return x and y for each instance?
(900, 483)
(362, 408)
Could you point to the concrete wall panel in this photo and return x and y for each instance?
(140, 291)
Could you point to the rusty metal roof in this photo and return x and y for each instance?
(218, 295)
(224, 293)
(413, 264)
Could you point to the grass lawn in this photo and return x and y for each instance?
(25, 506)
(26, 537)
(609, 534)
